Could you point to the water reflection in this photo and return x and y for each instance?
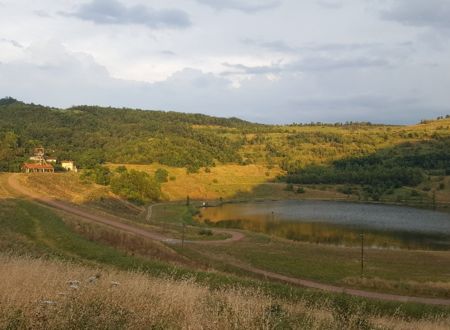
(337, 223)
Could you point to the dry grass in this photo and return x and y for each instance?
(64, 186)
(4, 192)
(39, 294)
(43, 294)
(224, 181)
(69, 187)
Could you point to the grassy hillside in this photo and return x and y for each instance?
(43, 258)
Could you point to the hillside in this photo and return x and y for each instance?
(376, 158)
(93, 135)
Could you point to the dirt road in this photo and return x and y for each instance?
(114, 222)
(111, 220)
(352, 292)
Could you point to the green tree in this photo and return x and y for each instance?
(161, 175)
(136, 186)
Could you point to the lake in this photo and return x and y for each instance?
(340, 223)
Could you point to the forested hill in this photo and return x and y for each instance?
(93, 135)
(350, 153)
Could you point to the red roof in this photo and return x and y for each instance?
(38, 166)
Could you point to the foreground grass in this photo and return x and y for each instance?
(54, 295)
(36, 293)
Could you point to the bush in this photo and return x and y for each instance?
(136, 186)
(205, 232)
(345, 190)
(99, 174)
(301, 190)
(121, 169)
(161, 175)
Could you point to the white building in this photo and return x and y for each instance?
(69, 165)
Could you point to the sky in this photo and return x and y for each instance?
(267, 61)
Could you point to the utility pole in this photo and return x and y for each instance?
(362, 255)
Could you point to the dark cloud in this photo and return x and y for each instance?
(329, 64)
(252, 70)
(42, 13)
(283, 47)
(247, 6)
(365, 107)
(167, 53)
(11, 42)
(313, 64)
(274, 45)
(114, 12)
(430, 13)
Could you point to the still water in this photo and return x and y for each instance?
(338, 223)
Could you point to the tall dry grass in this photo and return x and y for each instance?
(42, 294)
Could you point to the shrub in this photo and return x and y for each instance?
(161, 175)
(205, 232)
(301, 190)
(99, 174)
(121, 169)
(136, 186)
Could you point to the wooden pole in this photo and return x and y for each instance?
(362, 255)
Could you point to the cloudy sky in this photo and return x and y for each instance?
(271, 61)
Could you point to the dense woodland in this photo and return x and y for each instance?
(380, 156)
(93, 135)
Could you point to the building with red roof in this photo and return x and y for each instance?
(37, 168)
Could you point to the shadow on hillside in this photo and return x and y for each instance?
(420, 166)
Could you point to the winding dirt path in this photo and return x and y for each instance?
(110, 220)
(352, 292)
(114, 222)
